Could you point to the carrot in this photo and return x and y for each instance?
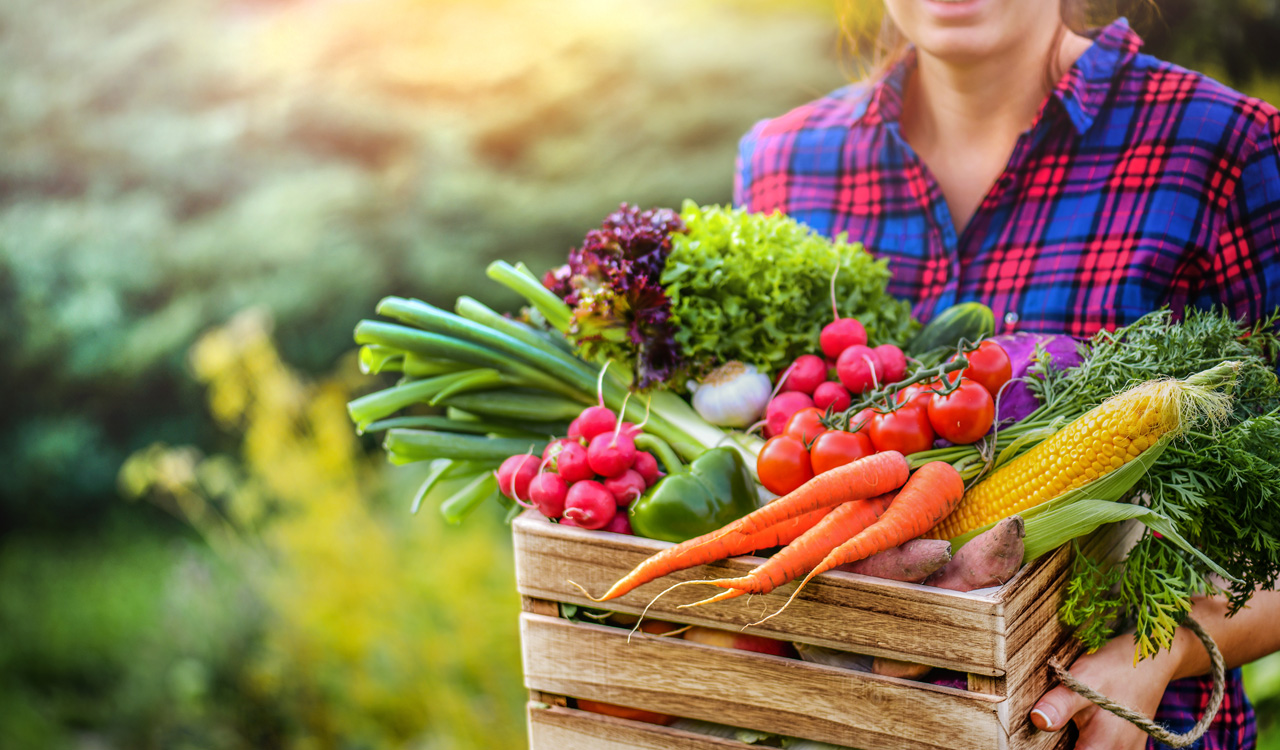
(928, 497)
(806, 551)
(709, 548)
(867, 477)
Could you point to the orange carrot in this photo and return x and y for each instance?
(808, 550)
(929, 496)
(867, 477)
(709, 548)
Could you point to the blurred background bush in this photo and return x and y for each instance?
(198, 199)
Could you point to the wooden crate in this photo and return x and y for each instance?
(1001, 638)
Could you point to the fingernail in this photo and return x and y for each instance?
(1048, 718)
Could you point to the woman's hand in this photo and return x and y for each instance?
(1111, 672)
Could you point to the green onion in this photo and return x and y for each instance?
(423, 445)
(466, 500)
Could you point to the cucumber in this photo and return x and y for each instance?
(967, 320)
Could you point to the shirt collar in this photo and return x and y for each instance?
(1081, 91)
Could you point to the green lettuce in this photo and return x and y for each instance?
(756, 288)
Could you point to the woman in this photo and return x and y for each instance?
(1071, 184)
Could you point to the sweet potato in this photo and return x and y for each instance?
(906, 670)
(913, 561)
(990, 559)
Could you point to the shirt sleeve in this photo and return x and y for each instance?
(1245, 269)
(744, 177)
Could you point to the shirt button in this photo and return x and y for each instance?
(1010, 318)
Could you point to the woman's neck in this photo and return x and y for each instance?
(964, 118)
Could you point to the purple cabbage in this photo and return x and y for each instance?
(1017, 401)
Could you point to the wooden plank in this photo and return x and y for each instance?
(836, 610)
(754, 691)
(567, 729)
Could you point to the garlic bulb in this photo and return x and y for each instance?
(733, 395)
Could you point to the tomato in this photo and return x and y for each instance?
(860, 420)
(836, 448)
(805, 425)
(783, 464)
(906, 430)
(917, 395)
(989, 365)
(964, 415)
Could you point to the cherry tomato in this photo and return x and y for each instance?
(989, 365)
(906, 430)
(783, 464)
(805, 425)
(836, 448)
(964, 415)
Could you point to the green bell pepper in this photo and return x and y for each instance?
(714, 489)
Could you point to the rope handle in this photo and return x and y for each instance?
(1159, 733)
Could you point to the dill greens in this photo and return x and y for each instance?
(1220, 487)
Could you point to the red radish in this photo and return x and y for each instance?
(858, 368)
(626, 487)
(575, 431)
(632, 429)
(840, 334)
(832, 395)
(547, 491)
(554, 448)
(611, 453)
(893, 363)
(805, 374)
(780, 410)
(647, 467)
(571, 522)
(589, 505)
(619, 525)
(595, 420)
(572, 464)
(515, 474)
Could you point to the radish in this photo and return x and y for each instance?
(840, 333)
(572, 464)
(611, 453)
(595, 420)
(547, 491)
(833, 396)
(570, 522)
(647, 467)
(575, 431)
(515, 474)
(858, 368)
(619, 525)
(554, 448)
(892, 361)
(805, 374)
(780, 410)
(589, 505)
(626, 487)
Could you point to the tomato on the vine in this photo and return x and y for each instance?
(862, 419)
(805, 425)
(989, 365)
(837, 448)
(964, 415)
(916, 395)
(783, 464)
(906, 430)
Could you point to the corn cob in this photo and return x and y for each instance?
(1095, 444)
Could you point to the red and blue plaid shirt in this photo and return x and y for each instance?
(1139, 185)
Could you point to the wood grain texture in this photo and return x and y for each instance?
(754, 691)
(568, 729)
(836, 610)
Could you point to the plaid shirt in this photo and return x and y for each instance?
(1139, 185)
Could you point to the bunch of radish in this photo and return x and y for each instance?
(586, 479)
(850, 368)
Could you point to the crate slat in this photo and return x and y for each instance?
(754, 691)
(836, 610)
(559, 728)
